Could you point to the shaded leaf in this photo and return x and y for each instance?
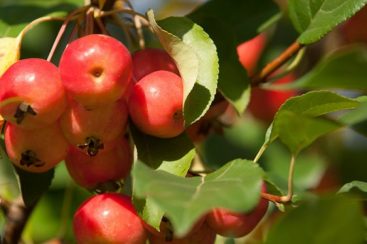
(184, 200)
(172, 155)
(329, 220)
(33, 185)
(14, 17)
(355, 186)
(196, 58)
(344, 69)
(313, 19)
(241, 17)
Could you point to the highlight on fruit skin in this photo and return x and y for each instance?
(156, 104)
(108, 218)
(87, 73)
(31, 94)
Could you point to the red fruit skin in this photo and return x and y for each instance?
(48, 144)
(105, 123)
(203, 235)
(230, 224)
(149, 60)
(265, 103)
(36, 82)
(96, 70)
(108, 218)
(111, 165)
(250, 51)
(354, 29)
(155, 104)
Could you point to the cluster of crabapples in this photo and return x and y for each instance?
(78, 113)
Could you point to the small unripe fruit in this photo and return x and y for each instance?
(96, 70)
(36, 150)
(231, 224)
(106, 166)
(108, 218)
(37, 84)
(156, 104)
(149, 60)
(91, 130)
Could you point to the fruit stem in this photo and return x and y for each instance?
(261, 152)
(124, 27)
(4, 205)
(68, 18)
(10, 101)
(271, 67)
(66, 206)
(36, 22)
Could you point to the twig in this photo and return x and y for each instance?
(16, 220)
(276, 64)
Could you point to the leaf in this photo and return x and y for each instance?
(297, 131)
(313, 19)
(237, 21)
(171, 155)
(9, 52)
(344, 69)
(296, 122)
(16, 16)
(328, 220)
(235, 186)
(33, 185)
(196, 58)
(355, 186)
(241, 17)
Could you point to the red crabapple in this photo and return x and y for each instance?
(155, 104)
(96, 70)
(354, 29)
(250, 51)
(36, 150)
(37, 84)
(92, 129)
(231, 224)
(149, 60)
(265, 103)
(111, 165)
(108, 218)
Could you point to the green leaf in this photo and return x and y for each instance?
(355, 186)
(296, 122)
(344, 69)
(329, 220)
(14, 17)
(238, 21)
(171, 155)
(196, 58)
(241, 17)
(298, 131)
(33, 185)
(185, 200)
(357, 118)
(313, 19)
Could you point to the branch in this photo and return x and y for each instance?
(16, 219)
(271, 67)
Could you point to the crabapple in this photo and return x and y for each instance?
(354, 29)
(92, 129)
(265, 103)
(231, 224)
(96, 70)
(39, 95)
(250, 51)
(155, 104)
(108, 218)
(149, 60)
(36, 150)
(106, 166)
